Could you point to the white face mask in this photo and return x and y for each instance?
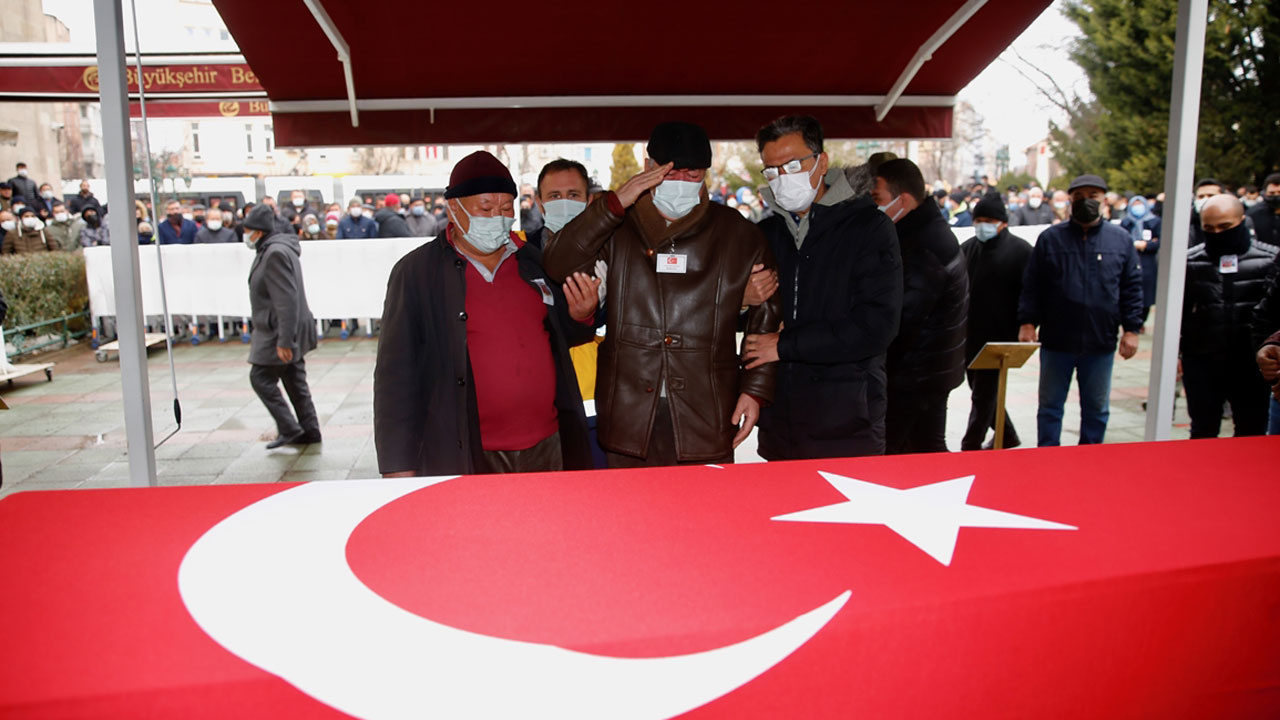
(22, 172)
(47, 194)
(894, 209)
(298, 202)
(675, 198)
(559, 212)
(32, 222)
(356, 211)
(486, 234)
(368, 214)
(1199, 203)
(1034, 203)
(1060, 205)
(8, 225)
(188, 216)
(214, 225)
(794, 191)
(60, 217)
(251, 239)
(313, 228)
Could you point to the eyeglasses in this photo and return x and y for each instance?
(792, 166)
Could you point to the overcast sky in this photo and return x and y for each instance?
(1012, 107)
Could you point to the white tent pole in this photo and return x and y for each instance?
(114, 94)
(1180, 165)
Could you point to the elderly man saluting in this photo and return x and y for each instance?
(473, 372)
(670, 387)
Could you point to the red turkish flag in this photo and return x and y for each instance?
(1161, 602)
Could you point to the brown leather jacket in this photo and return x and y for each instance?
(674, 328)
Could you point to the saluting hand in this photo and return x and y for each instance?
(583, 293)
(632, 189)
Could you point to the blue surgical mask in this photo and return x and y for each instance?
(487, 234)
(1137, 210)
(675, 198)
(418, 210)
(559, 212)
(985, 231)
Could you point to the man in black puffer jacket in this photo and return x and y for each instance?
(926, 359)
(841, 283)
(1226, 277)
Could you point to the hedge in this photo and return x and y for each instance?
(42, 286)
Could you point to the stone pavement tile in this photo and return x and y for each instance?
(248, 478)
(180, 480)
(94, 456)
(196, 466)
(346, 431)
(359, 473)
(339, 445)
(250, 435)
(329, 461)
(278, 461)
(314, 475)
(35, 459)
(62, 475)
(211, 449)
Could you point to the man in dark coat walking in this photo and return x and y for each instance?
(283, 329)
(390, 222)
(926, 360)
(473, 372)
(995, 259)
(841, 280)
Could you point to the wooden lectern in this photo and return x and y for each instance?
(1002, 356)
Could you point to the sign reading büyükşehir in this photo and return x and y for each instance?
(53, 81)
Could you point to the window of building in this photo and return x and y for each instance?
(269, 139)
(248, 138)
(195, 139)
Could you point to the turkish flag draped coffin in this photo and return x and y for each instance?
(1118, 581)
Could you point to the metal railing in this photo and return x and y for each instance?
(25, 339)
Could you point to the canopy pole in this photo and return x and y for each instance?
(925, 54)
(344, 53)
(1180, 165)
(113, 93)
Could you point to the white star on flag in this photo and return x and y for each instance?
(929, 516)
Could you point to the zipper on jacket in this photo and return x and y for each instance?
(795, 292)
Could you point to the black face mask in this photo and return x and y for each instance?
(144, 238)
(91, 220)
(174, 218)
(1234, 241)
(1273, 202)
(1085, 210)
(199, 219)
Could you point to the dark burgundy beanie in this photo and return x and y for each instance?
(479, 173)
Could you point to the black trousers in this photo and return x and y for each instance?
(984, 388)
(1212, 379)
(662, 446)
(915, 422)
(265, 380)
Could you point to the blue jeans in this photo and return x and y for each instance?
(1094, 372)
(1273, 421)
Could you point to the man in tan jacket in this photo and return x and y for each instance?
(671, 387)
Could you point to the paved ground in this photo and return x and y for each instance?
(69, 433)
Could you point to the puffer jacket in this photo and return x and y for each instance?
(676, 330)
(927, 356)
(25, 240)
(1217, 307)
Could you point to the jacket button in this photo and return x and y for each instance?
(650, 252)
(461, 382)
(667, 340)
(462, 316)
(457, 264)
(648, 389)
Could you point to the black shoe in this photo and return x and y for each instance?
(285, 440)
(991, 444)
(306, 438)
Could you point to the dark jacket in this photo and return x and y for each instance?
(1042, 215)
(927, 356)
(78, 203)
(166, 234)
(425, 414)
(25, 187)
(674, 328)
(390, 224)
(1217, 307)
(294, 215)
(1266, 316)
(281, 316)
(221, 235)
(4, 308)
(423, 226)
(1266, 223)
(1081, 286)
(357, 228)
(1148, 256)
(995, 281)
(841, 297)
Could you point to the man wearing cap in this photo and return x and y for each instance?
(925, 361)
(995, 259)
(843, 298)
(6, 196)
(670, 387)
(1082, 284)
(355, 225)
(390, 222)
(421, 223)
(473, 372)
(283, 329)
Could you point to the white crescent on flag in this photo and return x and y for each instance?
(272, 584)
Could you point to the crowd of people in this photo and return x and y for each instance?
(861, 310)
